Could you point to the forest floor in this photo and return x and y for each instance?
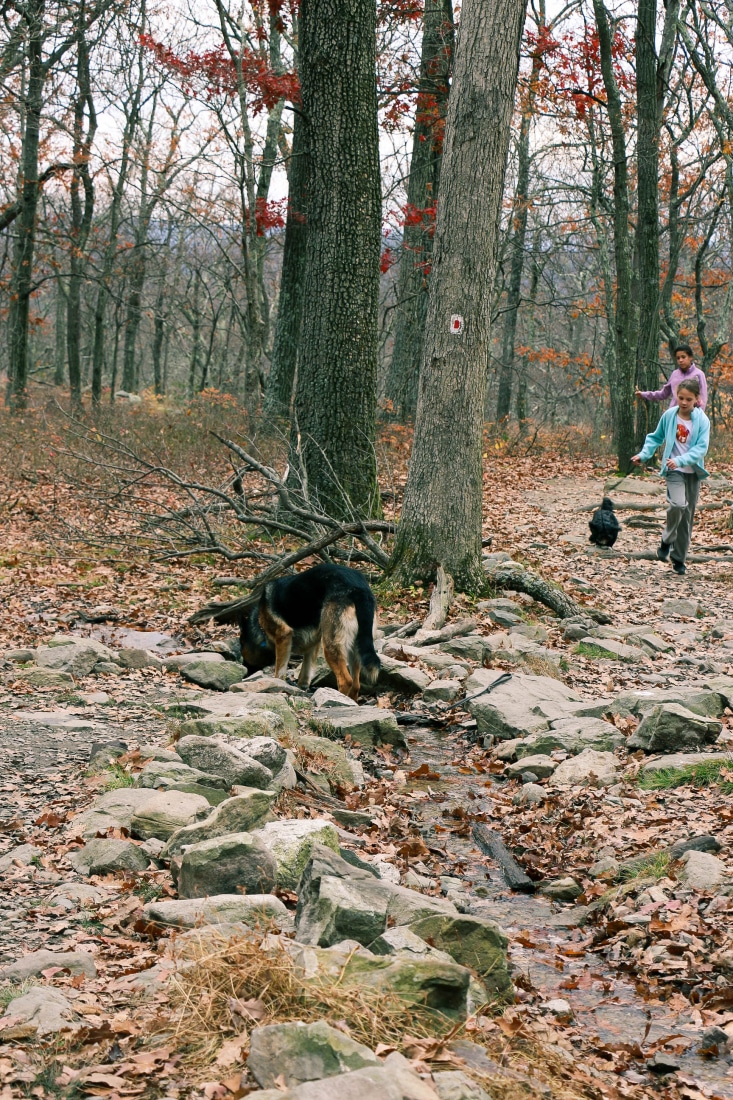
(619, 988)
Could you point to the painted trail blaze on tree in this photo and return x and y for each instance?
(441, 516)
(335, 397)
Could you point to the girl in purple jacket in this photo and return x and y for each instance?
(685, 370)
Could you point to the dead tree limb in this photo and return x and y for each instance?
(511, 575)
(441, 599)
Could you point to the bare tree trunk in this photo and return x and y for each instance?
(59, 368)
(335, 399)
(422, 195)
(441, 516)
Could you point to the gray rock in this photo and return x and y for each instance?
(367, 725)
(337, 901)
(301, 1052)
(250, 909)
(56, 719)
(561, 889)
(472, 647)
(399, 676)
(30, 966)
(155, 752)
(685, 609)
(75, 656)
(285, 779)
(500, 603)
(268, 752)
(42, 1011)
(606, 869)
(216, 757)
(257, 723)
(534, 631)
(705, 701)
(703, 871)
(395, 1080)
(456, 1085)
(21, 856)
(504, 618)
(341, 767)
(573, 735)
(260, 683)
(99, 856)
(589, 768)
(44, 678)
(103, 753)
(682, 760)
(531, 794)
(212, 675)
(138, 658)
(227, 864)
(291, 843)
(472, 942)
(180, 660)
(329, 697)
(167, 811)
(542, 767)
(573, 632)
(670, 727)
(435, 658)
(523, 705)
(614, 650)
(20, 656)
(403, 939)
(117, 807)
(443, 690)
(168, 773)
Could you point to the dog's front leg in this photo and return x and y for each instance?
(306, 669)
(283, 648)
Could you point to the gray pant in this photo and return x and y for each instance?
(682, 490)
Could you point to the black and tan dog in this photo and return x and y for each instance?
(328, 605)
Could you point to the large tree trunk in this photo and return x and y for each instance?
(281, 378)
(625, 314)
(335, 395)
(422, 195)
(25, 243)
(441, 516)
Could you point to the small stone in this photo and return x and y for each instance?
(558, 1007)
(212, 675)
(227, 864)
(443, 690)
(215, 757)
(20, 656)
(542, 767)
(260, 723)
(702, 871)
(606, 869)
(154, 752)
(714, 1039)
(75, 656)
(589, 768)
(99, 856)
(399, 676)
(477, 944)
(268, 752)
(504, 618)
(180, 660)
(167, 811)
(30, 966)
(561, 889)
(329, 697)
(456, 1085)
(684, 609)
(259, 683)
(298, 1052)
(42, 1011)
(138, 658)
(341, 767)
(44, 678)
(531, 794)
(663, 1062)
(21, 856)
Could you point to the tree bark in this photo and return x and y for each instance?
(280, 381)
(441, 516)
(25, 243)
(335, 400)
(422, 194)
(625, 314)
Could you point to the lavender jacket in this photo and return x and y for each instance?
(670, 387)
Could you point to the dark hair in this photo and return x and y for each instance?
(691, 385)
(684, 347)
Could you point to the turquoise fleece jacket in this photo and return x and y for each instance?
(666, 432)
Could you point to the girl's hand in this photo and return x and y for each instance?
(671, 464)
(636, 460)
(638, 393)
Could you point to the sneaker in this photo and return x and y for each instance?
(679, 567)
(663, 551)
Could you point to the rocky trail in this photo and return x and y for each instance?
(180, 844)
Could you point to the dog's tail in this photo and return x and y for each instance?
(365, 607)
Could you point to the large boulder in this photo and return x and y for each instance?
(477, 944)
(166, 773)
(523, 705)
(45, 678)
(41, 1012)
(112, 810)
(671, 727)
(369, 726)
(213, 675)
(225, 909)
(394, 1080)
(703, 871)
(235, 862)
(338, 901)
(216, 757)
(298, 1052)
(75, 656)
(99, 856)
(573, 735)
(291, 843)
(268, 752)
(398, 676)
(248, 810)
(167, 811)
(540, 765)
(260, 723)
(588, 769)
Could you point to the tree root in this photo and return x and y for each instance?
(509, 574)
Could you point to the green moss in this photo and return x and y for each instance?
(703, 774)
(118, 777)
(654, 866)
(587, 649)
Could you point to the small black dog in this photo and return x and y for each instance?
(604, 527)
(328, 605)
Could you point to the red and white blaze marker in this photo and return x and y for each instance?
(456, 324)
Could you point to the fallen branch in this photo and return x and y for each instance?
(453, 630)
(493, 846)
(511, 575)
